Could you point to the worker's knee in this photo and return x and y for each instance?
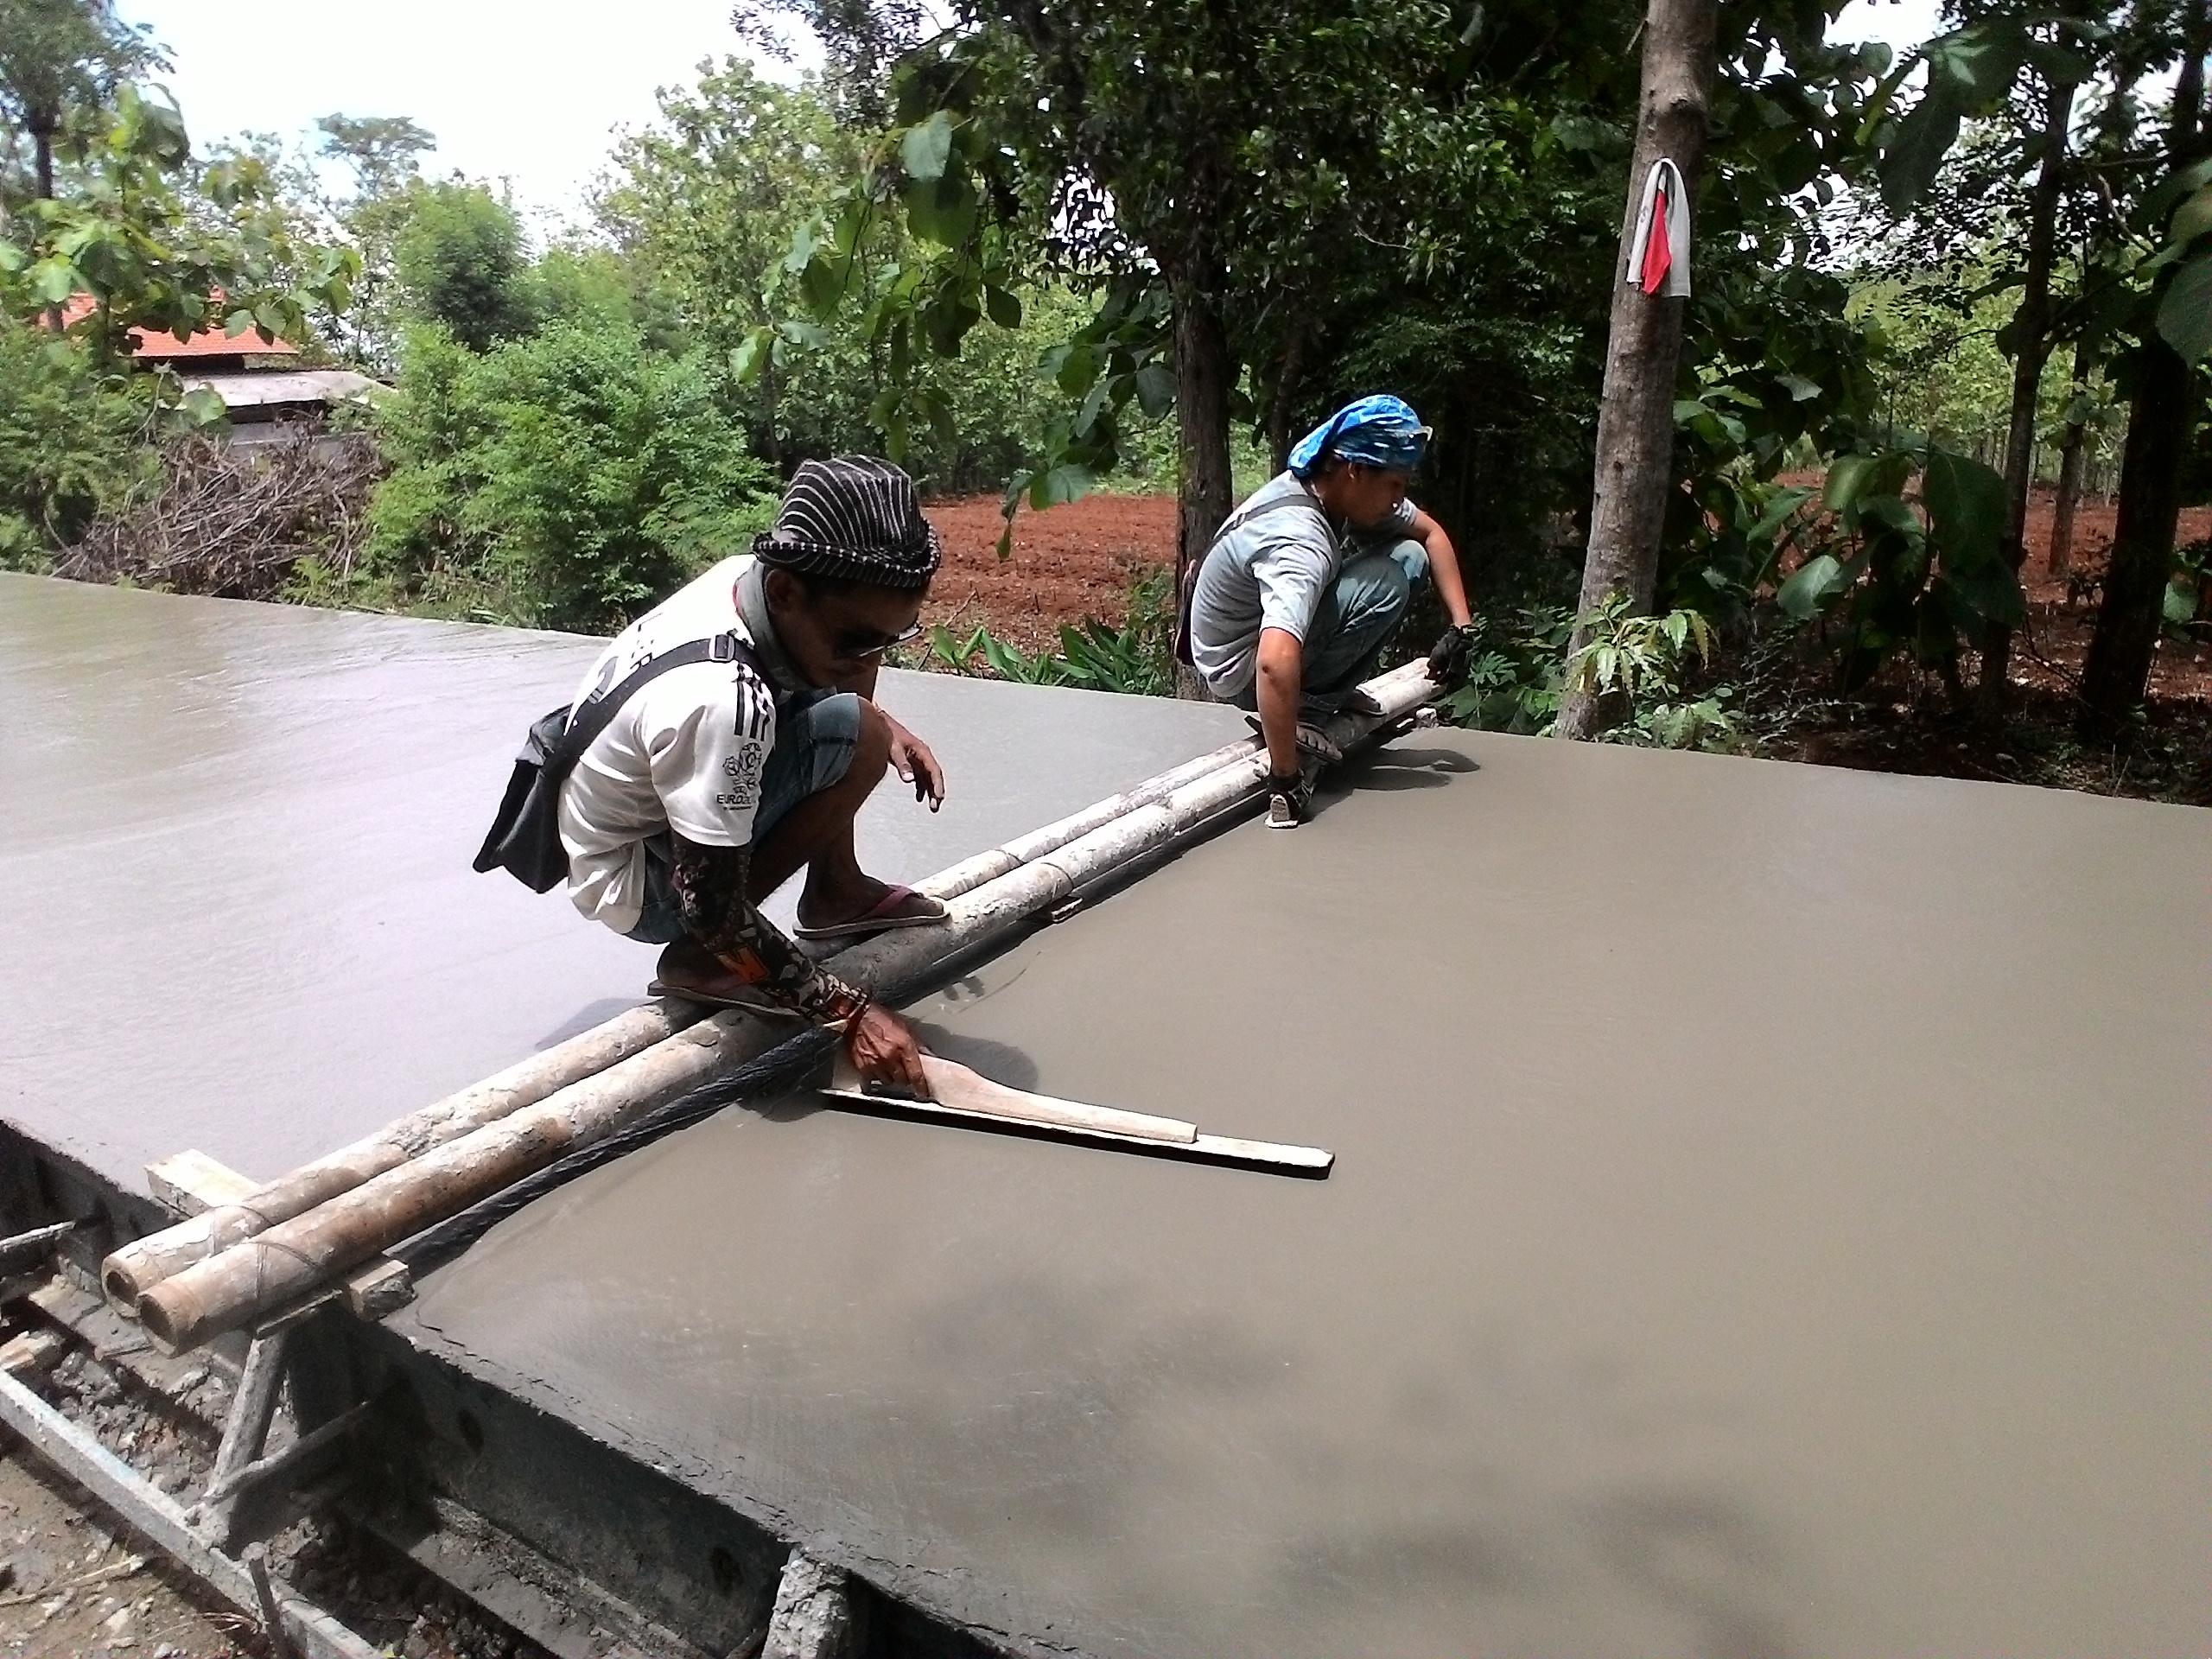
(871, 746)
(1411, 559)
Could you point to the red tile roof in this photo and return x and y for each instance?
(156, 347)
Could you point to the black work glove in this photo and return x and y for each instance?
(1447, 658)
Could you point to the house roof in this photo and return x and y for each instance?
(156, 345)
(267, 388)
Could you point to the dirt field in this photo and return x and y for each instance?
(1077, 561)
(1068, 563)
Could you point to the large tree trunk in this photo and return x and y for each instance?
(2030, 332)
(1203, 372)
(1636, 413)
(2117, 671)
(2073, 452)
(1282, 404)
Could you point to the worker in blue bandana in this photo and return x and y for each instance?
(1292, 604)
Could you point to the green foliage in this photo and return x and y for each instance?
(127, 237)
(1916, 572)
(1643, 660)
(1513, 670)
(69, 444)
(461, 263)
(60, 62)
(1135, 658)
(570, 479)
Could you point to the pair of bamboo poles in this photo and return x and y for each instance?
(237, 1263)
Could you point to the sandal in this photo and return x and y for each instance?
(880, 917)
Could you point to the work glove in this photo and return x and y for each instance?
(1288, 796)
(1447, 658)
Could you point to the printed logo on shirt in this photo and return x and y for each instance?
(743, 771)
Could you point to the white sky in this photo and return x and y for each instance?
(525, 92)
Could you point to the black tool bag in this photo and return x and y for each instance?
(1189, 588)
(525, 838)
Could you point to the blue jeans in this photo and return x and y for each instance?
(1353, 624)
(816, 734)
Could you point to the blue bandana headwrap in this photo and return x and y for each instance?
(1381, 431)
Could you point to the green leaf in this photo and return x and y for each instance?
(1966, 509)
(1813, 583)
(2185, 313)
(821, 285)
(746, 362)
(53, 280)
(2193, 218)
(923, 151)
(1061, 485)
(1800, 388)
(942, 209)
(1001, 306)
(202, 406)
(2178, 603)
(1156, 385)
(1914, 157)
(1848, 476)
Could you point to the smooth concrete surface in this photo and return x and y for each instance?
(1769, 1219)
(234, 850)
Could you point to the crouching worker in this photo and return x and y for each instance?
(718, 779)
(1295, 599)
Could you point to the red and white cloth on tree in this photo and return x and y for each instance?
(1659, 255)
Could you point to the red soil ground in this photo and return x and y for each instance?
(1077, 561)
(1067, 564)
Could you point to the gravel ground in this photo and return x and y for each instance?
(74, 1582)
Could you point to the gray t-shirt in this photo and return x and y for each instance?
(1270, 571)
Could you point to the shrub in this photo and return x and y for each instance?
(69, 444)
(574, 475)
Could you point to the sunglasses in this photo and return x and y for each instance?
(860, 643)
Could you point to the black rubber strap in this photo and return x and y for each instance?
(589, 721)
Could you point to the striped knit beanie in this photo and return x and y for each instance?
(855, 518)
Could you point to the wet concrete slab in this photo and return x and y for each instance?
(234, 860)
(1769, 1220)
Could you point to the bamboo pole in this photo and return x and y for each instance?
(295, 1257)
(136, 1267)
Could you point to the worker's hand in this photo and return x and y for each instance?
(916, 765)
(1447, 658)
(882, 1049)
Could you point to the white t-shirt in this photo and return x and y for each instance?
(684, 753)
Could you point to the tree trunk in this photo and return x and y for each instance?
(1636, 412)
(42, 148)
(1202, 368)
(2117, 671)
(1284, 402)
(2030, 332)
(2073, 453)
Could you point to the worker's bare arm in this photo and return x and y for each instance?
(711, 890)
(1281, 676)
(1444, 567)
(911, 758)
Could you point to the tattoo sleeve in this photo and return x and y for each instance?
(710, 885)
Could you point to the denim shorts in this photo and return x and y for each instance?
(816, 734)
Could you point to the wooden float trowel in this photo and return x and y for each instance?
(959, 1094)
